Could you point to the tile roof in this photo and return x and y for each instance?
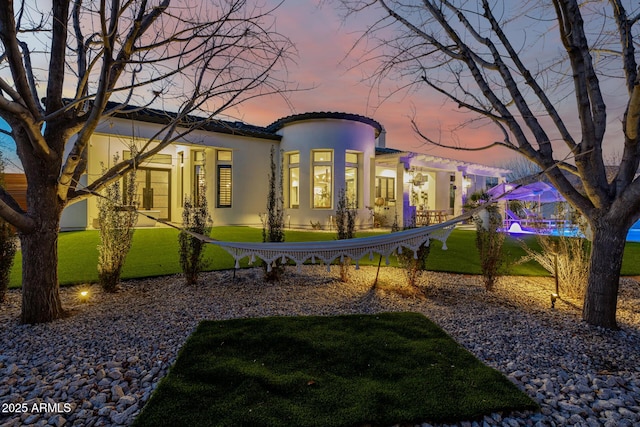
(152, 115)
(387, 150)
(279, 124)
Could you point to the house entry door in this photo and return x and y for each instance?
(154, 191)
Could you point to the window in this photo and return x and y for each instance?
(351, 158)
(386, 188)
(198, 157)
(224, 155)
(491, 181)
(224, 186)
(153, 191)
(452, 191)
(199, 177)
(199, 183)
(224, 179)
(181, 177)
(351, 179)
(322, 179)
(294, 180)
(162, 159)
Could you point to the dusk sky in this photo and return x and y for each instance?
(332, 80)
(335, 82)
(323, 41)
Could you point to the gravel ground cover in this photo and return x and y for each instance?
(100, 365)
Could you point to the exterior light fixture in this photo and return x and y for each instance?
(556, 294)
(83, 295)
(418, 179)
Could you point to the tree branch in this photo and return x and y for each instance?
(530, 81)
(57, 60)
(11, 212)
(9, 38)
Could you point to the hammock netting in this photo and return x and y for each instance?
(331, 250)
(328, 251)
(355, 249)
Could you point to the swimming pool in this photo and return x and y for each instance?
(634, 233)
(632, 236)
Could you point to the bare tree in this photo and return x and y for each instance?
(519, 167)
(65, 69)
(543, 72)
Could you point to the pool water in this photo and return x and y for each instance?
(632, 236)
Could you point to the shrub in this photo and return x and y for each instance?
(273, 220)
(195, 219)
(377, 215)
(8, 244)
(414, 264)
(380, 220)
(473, 201)
(316, 225)
(8, 248)
(346, 228)
(572, 260)
(395, 226)
(116, 225)
(489, 241)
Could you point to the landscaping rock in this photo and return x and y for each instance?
(580, 375)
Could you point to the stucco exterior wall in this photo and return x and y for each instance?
(249, 165)
(250, 169)
(338, 136)
(338, 133)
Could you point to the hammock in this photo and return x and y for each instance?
(330, 250)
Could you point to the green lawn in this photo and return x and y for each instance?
(352, 370)
(155, 253)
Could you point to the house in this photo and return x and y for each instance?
(321, 154)
(431, 188)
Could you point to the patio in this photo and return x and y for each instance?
(533, 215)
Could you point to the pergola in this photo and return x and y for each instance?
(540, 192)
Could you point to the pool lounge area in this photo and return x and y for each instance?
(528, 221)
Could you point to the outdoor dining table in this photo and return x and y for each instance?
(431, 216)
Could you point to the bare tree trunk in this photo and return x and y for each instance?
(40, 289)
(40, 297)
(601, 298)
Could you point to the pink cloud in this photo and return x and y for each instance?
(336, 84)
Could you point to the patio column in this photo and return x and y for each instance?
(459, 183)
(402, 194)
